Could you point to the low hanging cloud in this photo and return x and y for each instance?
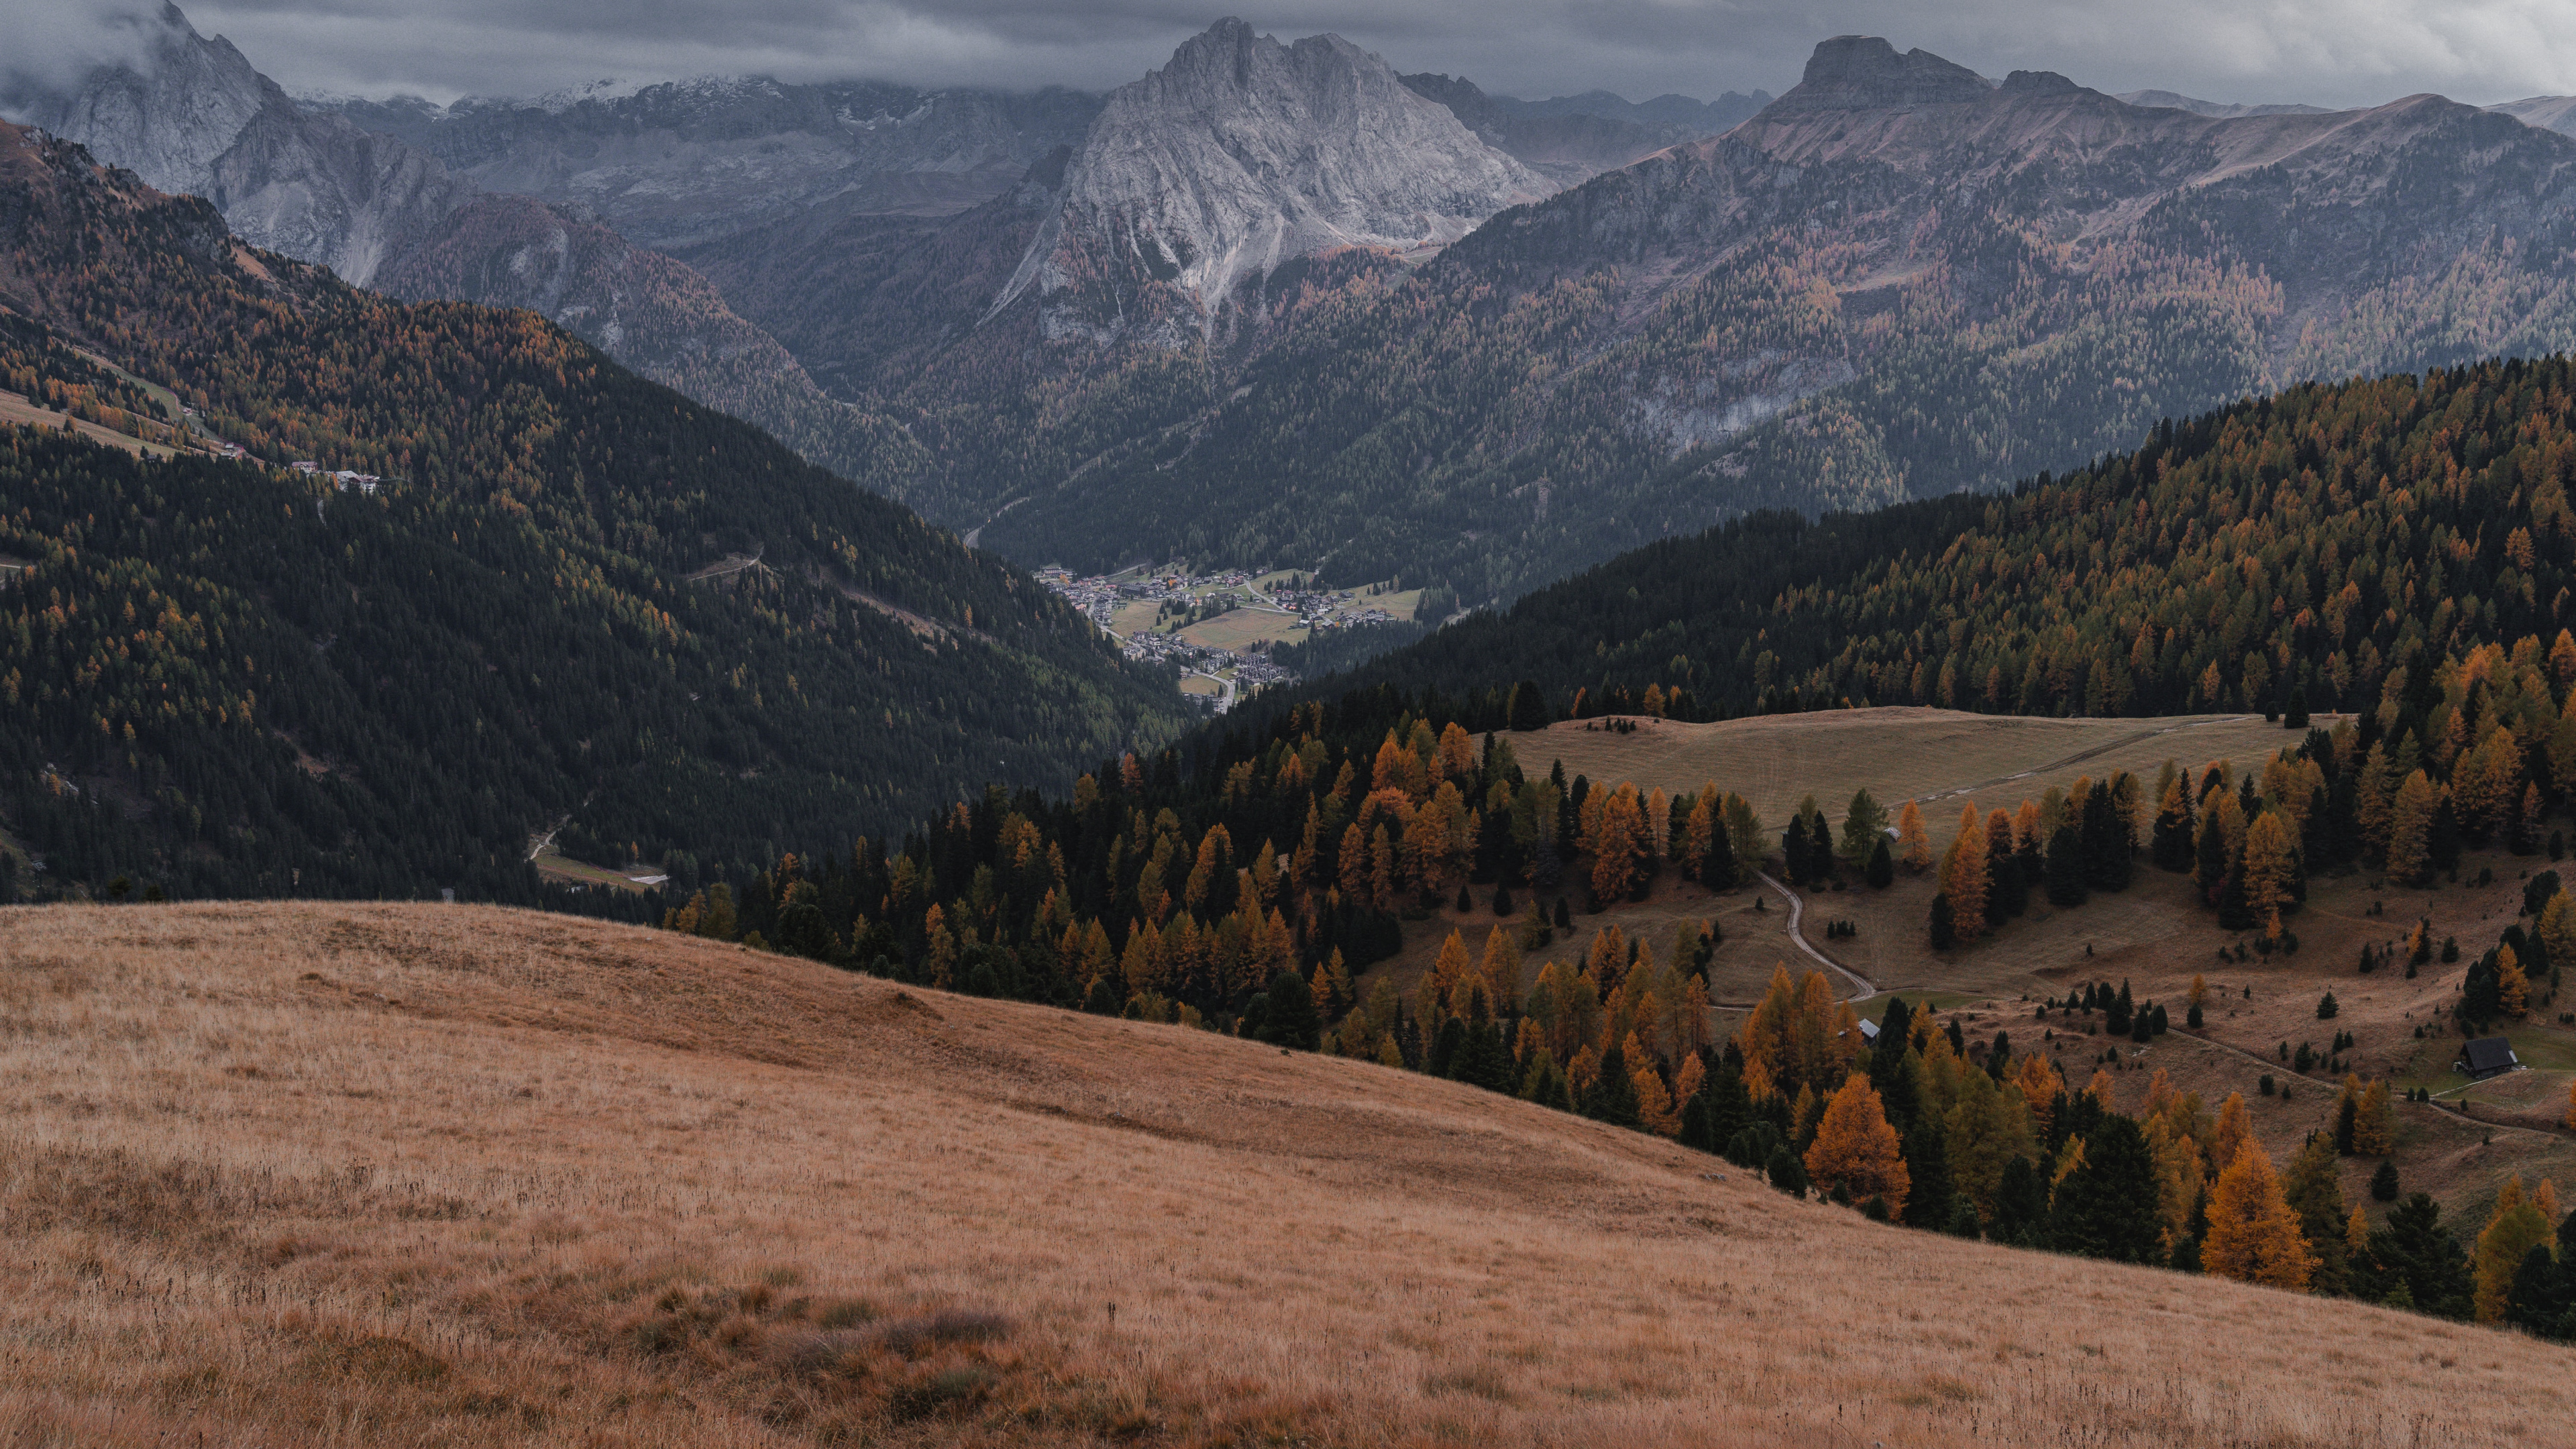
(50, 45)
(2324, 52)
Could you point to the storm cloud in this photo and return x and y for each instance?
(2324, 52)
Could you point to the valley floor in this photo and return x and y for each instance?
(410, 1175)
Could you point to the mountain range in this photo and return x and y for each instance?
(1899, 279)
(1277, 303)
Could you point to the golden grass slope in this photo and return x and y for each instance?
(400, 1175)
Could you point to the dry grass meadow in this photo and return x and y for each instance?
(1943, 758)
(305, 1175)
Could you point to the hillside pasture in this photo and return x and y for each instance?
(1943, 758)
(298, 1175)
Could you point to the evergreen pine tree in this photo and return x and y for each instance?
(1945, 932)
(1963, 1220)
(1882, 866)
(1930, 1201)
(2235, 912)
(1695, 1122)
(1293, 1022)
(1446, 1046)
(2442, 837)
(2065, 868)
(2209, 857)
(2383, 1183)
(2021, 1205)
(2538, 1301)
(2315, 1193)
(2106, 1207)
(1614, 1095)
(1105, 999)
(1786, 1172)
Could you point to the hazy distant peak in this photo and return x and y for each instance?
(2547, 113)
(1853, 72)
(2174, 101)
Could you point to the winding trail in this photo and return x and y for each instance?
(1798, 914)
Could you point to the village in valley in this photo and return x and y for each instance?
(1219, 629)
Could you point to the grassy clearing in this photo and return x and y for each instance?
(1134, 616)
(16, 409)
(1944, 758)
(1243, 628)
(299, 1175)
(580, 872)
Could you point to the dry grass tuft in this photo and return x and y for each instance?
(410, 1176)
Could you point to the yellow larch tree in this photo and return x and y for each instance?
(1856, 1149)
(2254, 1235)
(1963, 877)
(1619, 847)
(2179, 1179)
(2557, 926)
(2233, 1132)
(2513, 1230)
(2040, 1083)
(2271, 864)
(2373, 1122)
(1440, 985)
(2410, 827)
(2513, 988)
(1657, 1110)
(1913, 842)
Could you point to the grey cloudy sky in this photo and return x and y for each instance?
(2326, 52)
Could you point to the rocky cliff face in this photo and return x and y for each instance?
(688, 163)
(197, 119)
(1243, 154)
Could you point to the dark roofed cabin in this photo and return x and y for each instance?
(2486, 1057)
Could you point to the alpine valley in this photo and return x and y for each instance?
(1695, 771)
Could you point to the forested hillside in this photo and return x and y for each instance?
(237, 679)
(2396, 549)
(2343, 541)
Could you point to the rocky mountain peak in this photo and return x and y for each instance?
(1244, 152)
(166, 118)
(1855, 72)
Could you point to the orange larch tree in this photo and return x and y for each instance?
(2254, 1236)
(1857, 1149)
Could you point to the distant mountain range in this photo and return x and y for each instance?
(1276, 303)
(1899, 279)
